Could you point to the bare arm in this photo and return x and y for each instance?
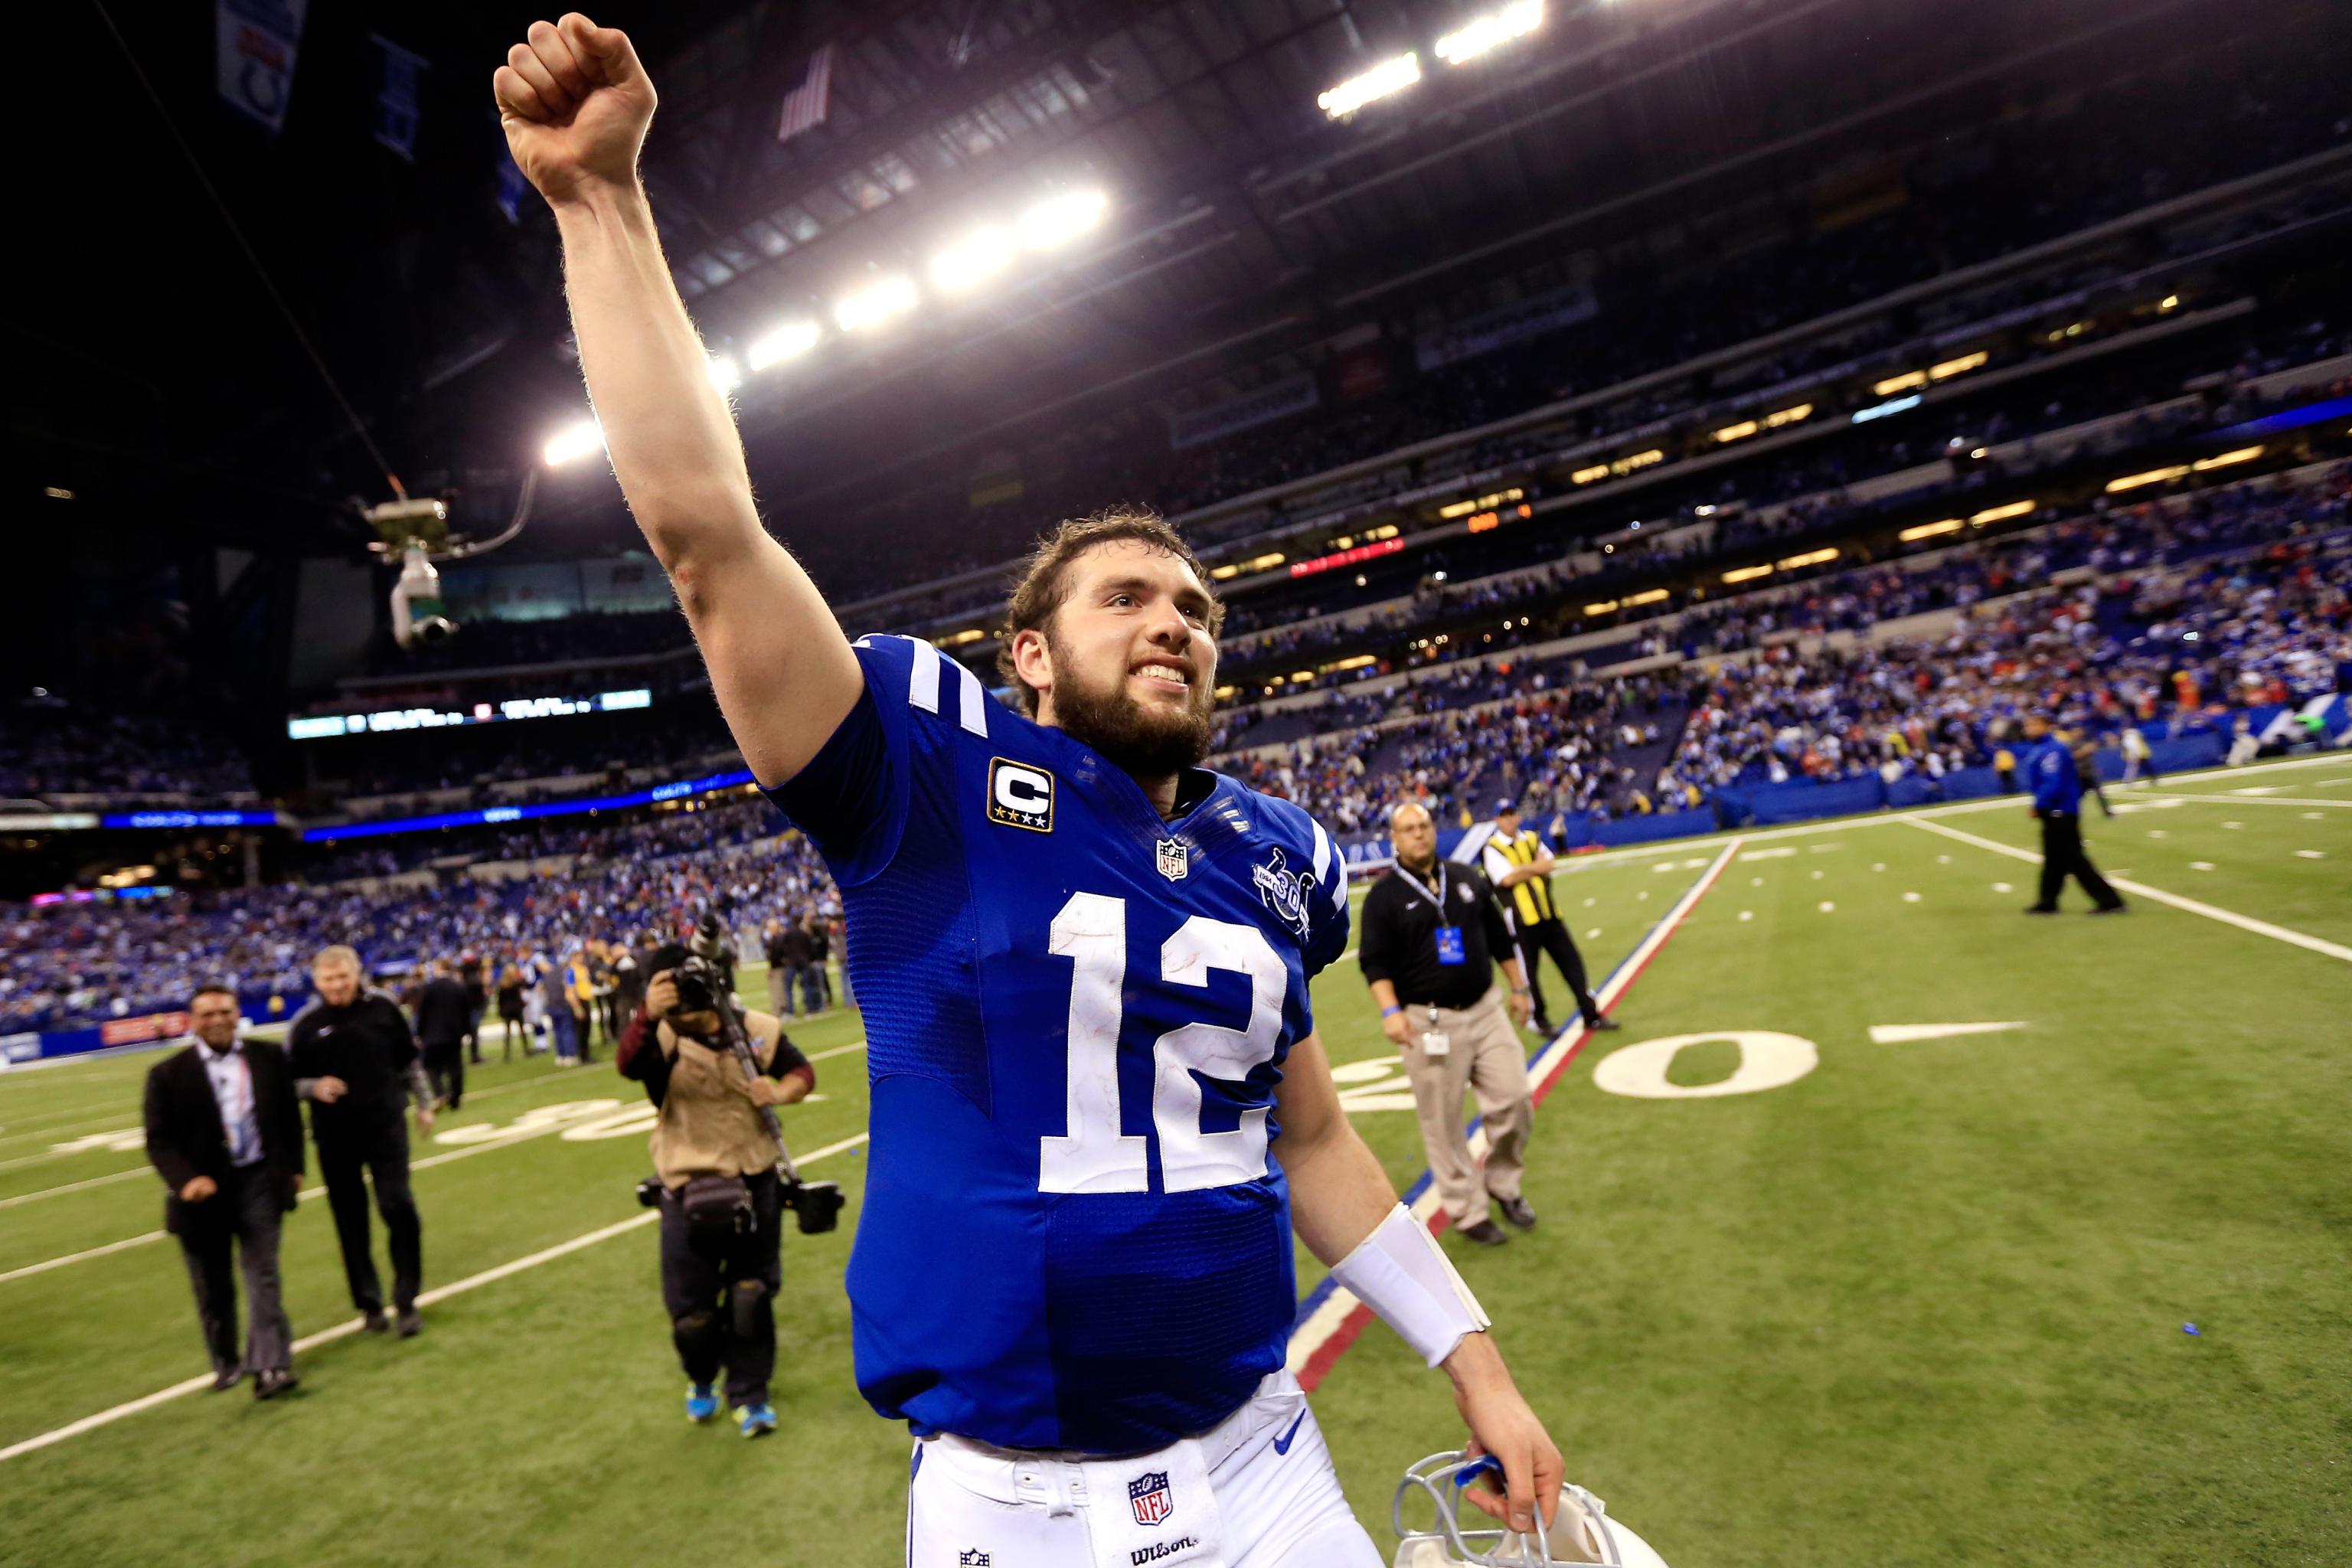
(575, 103)
(1338, 1195)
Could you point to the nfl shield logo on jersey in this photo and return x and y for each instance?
(975, 1558)
(1173, 860)
(1148, 1495)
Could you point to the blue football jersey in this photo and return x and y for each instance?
(1076, 1233)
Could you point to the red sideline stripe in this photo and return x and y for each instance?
(1352, 1326)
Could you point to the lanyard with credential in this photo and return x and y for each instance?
(1415, 883)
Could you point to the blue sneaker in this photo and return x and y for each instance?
(756, 1420)
(701, 1402)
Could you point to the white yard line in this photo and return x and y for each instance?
(2157, 895)
(2243, 800)
(352, 1325)
(315, 1190)
(76, 1186)
(67, 1153)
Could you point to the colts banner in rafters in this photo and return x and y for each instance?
(255, 57)
(805, 105)
(399, 84)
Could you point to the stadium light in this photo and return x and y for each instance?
(725, 374)
(972, 260)
(1058, 220)
(1388, 77)
(574, 441)
(891, 297)
(788, 341)
(1513, 21)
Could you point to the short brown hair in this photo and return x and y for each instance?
(1044, 584)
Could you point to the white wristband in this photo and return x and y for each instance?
(1400, 1272)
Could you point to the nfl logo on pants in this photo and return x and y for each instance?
(1148, 1495)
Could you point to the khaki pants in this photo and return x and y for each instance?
(1486, 1057)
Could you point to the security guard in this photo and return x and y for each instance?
(2058, 806)
(1519, 864)
(1428, 930)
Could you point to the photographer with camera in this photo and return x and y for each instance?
(716, 1071)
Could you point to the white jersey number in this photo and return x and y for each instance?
(1093, 1157)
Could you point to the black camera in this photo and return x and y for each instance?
(818, 1205)
(700, 985)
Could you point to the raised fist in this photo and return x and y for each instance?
(575, 103)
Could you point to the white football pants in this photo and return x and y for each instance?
(1257, 1490)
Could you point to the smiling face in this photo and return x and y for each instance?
(338, 981)
(1127, 662)
(212, 1019)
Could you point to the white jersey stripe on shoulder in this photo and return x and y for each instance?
(974, 712)
(1322, 852)
(923, 685)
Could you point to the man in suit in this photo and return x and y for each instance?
(225, 1132)
(443, 1016)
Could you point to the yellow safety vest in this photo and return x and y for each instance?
(1532, 898)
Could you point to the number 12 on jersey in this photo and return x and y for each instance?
(1093, 1156)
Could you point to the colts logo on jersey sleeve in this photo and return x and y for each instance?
(1284, 891)
(1020, 795)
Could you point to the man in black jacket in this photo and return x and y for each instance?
(224, 1134)
(443, 1016)
(355, 1061)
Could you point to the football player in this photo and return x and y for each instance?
(1099, 1105)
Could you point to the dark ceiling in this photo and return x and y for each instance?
(155, 372)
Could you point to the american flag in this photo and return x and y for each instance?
(804, 106)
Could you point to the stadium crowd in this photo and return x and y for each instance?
(67, 963)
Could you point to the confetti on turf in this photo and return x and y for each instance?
(2314, 817)
(1910, 898)
(1827, 906)
(1817, 875)
(1825, 848)
(1878, 865)
(2233, 824)
(1755, 881)
(2191, 1329)
(2195, 866)
(1943, 860)
(2002, 887)
(1593, 933)
(2313, 854)
(2156, 833)
(1748, 914)
(1587, 903)
(1782, 853)
(1644, 894)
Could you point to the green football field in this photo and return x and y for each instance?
(1891, 1293)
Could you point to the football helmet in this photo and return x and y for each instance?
(1581, 1531)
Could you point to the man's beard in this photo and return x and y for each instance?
(1149, 743)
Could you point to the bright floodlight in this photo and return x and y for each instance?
(884, 300)
(1057, 220)
(972, 260)
(787, 341)
(1390, 76)
(1513, 21)
(725, 374)
(575, 441)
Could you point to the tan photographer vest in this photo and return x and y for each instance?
(708, 1126)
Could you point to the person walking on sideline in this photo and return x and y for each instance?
(2058, 806)
(226, 1134)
